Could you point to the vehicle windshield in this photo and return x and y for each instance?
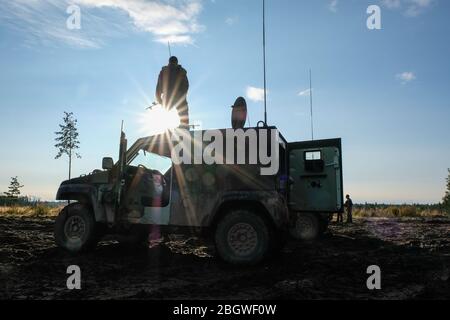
(152, 161)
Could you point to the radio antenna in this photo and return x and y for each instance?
(168, 46)
(311, 103)
(264, 61)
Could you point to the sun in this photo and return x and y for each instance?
(158, 120)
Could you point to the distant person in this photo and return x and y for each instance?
(348, 208)
(172, 88)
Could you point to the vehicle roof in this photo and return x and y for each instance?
(161, 144)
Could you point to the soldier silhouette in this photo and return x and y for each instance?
(172, 88)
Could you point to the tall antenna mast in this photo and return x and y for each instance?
(311, 104)
(168, 46)
(264, 61)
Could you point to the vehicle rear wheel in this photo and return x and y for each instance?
(242, 238)
(75, 228)
(307, 227)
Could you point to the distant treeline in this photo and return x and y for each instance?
(403, 210)
(25, 201)
(375, 205)
(28, 204)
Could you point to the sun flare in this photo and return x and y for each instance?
(158, 120)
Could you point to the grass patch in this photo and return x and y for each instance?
(398, 211)
(364, 211)
(37, 210)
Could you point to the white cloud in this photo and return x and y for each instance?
(411, 8)
(304, 92)
(44, 21)
(231, 20)
(169, 20)
(391, 4)
(406, 77)
(332, 6)
(416, 7)
(255, 94)
(422, 3)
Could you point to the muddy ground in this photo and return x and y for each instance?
(413, 254)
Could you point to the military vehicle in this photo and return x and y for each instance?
(245, 213)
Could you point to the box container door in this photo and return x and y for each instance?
(315, 176)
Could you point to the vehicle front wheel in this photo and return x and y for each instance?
(306, 227)
(75, 228)
(242, 238)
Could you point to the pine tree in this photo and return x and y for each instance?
(67, 139)
(14, 188)
(446, 199)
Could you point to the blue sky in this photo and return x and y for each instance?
(385, 92)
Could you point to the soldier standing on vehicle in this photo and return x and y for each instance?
(348, 207)
(172, 89)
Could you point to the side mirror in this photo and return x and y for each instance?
(107, 163)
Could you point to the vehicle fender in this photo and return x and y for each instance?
(269, 203)
(83, 193)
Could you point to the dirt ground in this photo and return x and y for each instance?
(413, 254)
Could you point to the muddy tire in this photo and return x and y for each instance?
(242, 238)
(75, 228)
(307, 227)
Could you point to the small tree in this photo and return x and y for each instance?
(14, 188)
(446, 200)
(67, 139)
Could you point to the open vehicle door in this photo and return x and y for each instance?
(315, 175)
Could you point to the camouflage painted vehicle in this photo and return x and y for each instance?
(246, 214)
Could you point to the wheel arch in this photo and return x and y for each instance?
(232, 204)
(85, 194)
